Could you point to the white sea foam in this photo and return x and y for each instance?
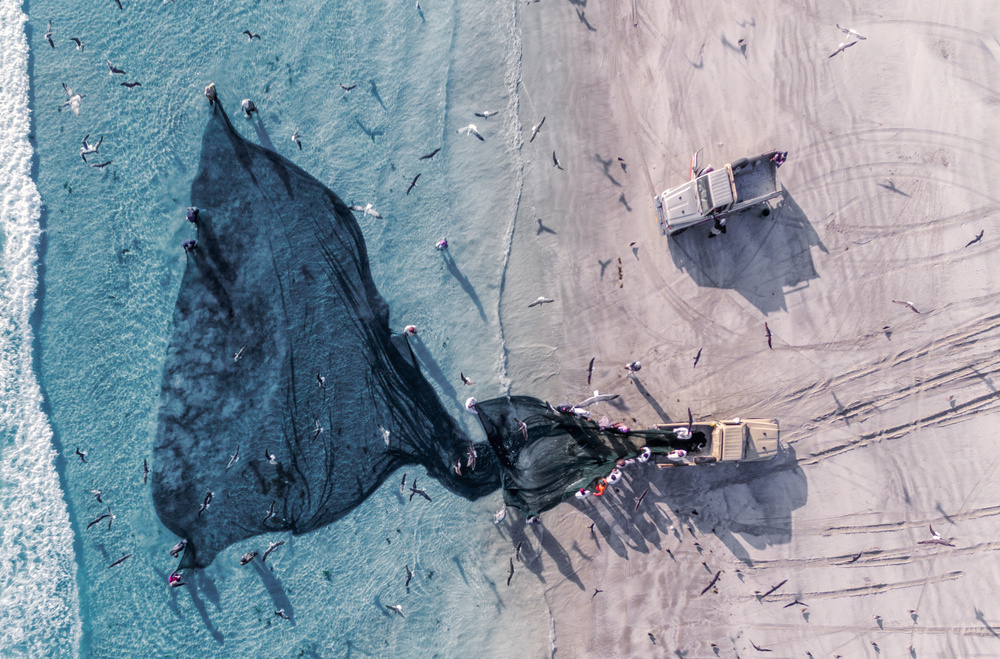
(39, 602)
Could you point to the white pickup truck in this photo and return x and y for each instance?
(714, 194)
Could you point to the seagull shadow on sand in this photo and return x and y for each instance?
(606, 168)
(543, 229)
(761, 258)
(583, 19)
(463, 281)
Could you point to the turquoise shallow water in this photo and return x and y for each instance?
(112, 271)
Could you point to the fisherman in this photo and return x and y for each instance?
(189, 245)
(600, 487)
(249, 108)
(645, 454)
(410, 330)
(614, 476)
(470, 405)
(718, 227)
(442, 244)
(583, 493)
(211, 94)
(683, 433)
(633, 367)
(192, 214)
(677, 455)
(622, 428)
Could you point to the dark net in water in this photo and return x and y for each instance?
(282, 351)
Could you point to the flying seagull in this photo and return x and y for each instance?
(79, 44)
(510, 575)
(430, 155)
(367, 209)
(976, 239)
(74, 100)
(851, 33)
(638, 500)
(270, 513)
(597, 398)
(101, 518)
(794, 602)
(119, 3)
(270, 548)
(555, 161)
(247, 557)
(697, 357)
(297, 138)
(281, 614)
(409, 575)
(534, 129)
(130, 85)
(471, 130)
(250, 35)
(844, 45)
(88, 148)
(596, 590)
(908, 305)
(112, 69)
(81, 454)
(486, 114)
(233, 458)
(466, 381)
(711, 583)
(590, 370)
(48, 34)
(97, 494)
(774, 588)
(119, 561)
(396, 608)
(270, 457)
(145, 471)
(348, 88)
(413, 183)
(540, 300)
(936, 539)
(760, 649)
(101, 165)
(767, 333)
(415, 490)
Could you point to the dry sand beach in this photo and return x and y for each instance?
(887, 415)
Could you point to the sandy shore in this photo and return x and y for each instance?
(886, 414)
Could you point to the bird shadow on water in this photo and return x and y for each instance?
(751, 500)
(463, 281)
(758, 257)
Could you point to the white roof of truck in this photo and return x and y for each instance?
(681, 204)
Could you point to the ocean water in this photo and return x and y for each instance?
(112, 267)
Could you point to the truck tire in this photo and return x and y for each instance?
(766, 211)
(680, 231)
(740, 164)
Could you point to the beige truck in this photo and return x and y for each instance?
(735, 440)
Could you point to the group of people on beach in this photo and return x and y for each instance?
(616, 474)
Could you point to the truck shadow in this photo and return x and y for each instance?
(759, 257)
(745, 505)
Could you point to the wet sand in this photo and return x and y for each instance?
(887, 415)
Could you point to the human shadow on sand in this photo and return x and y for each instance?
(758, 257)
(747, 503)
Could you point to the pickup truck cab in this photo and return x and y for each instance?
(735, 440)
(714, 194)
